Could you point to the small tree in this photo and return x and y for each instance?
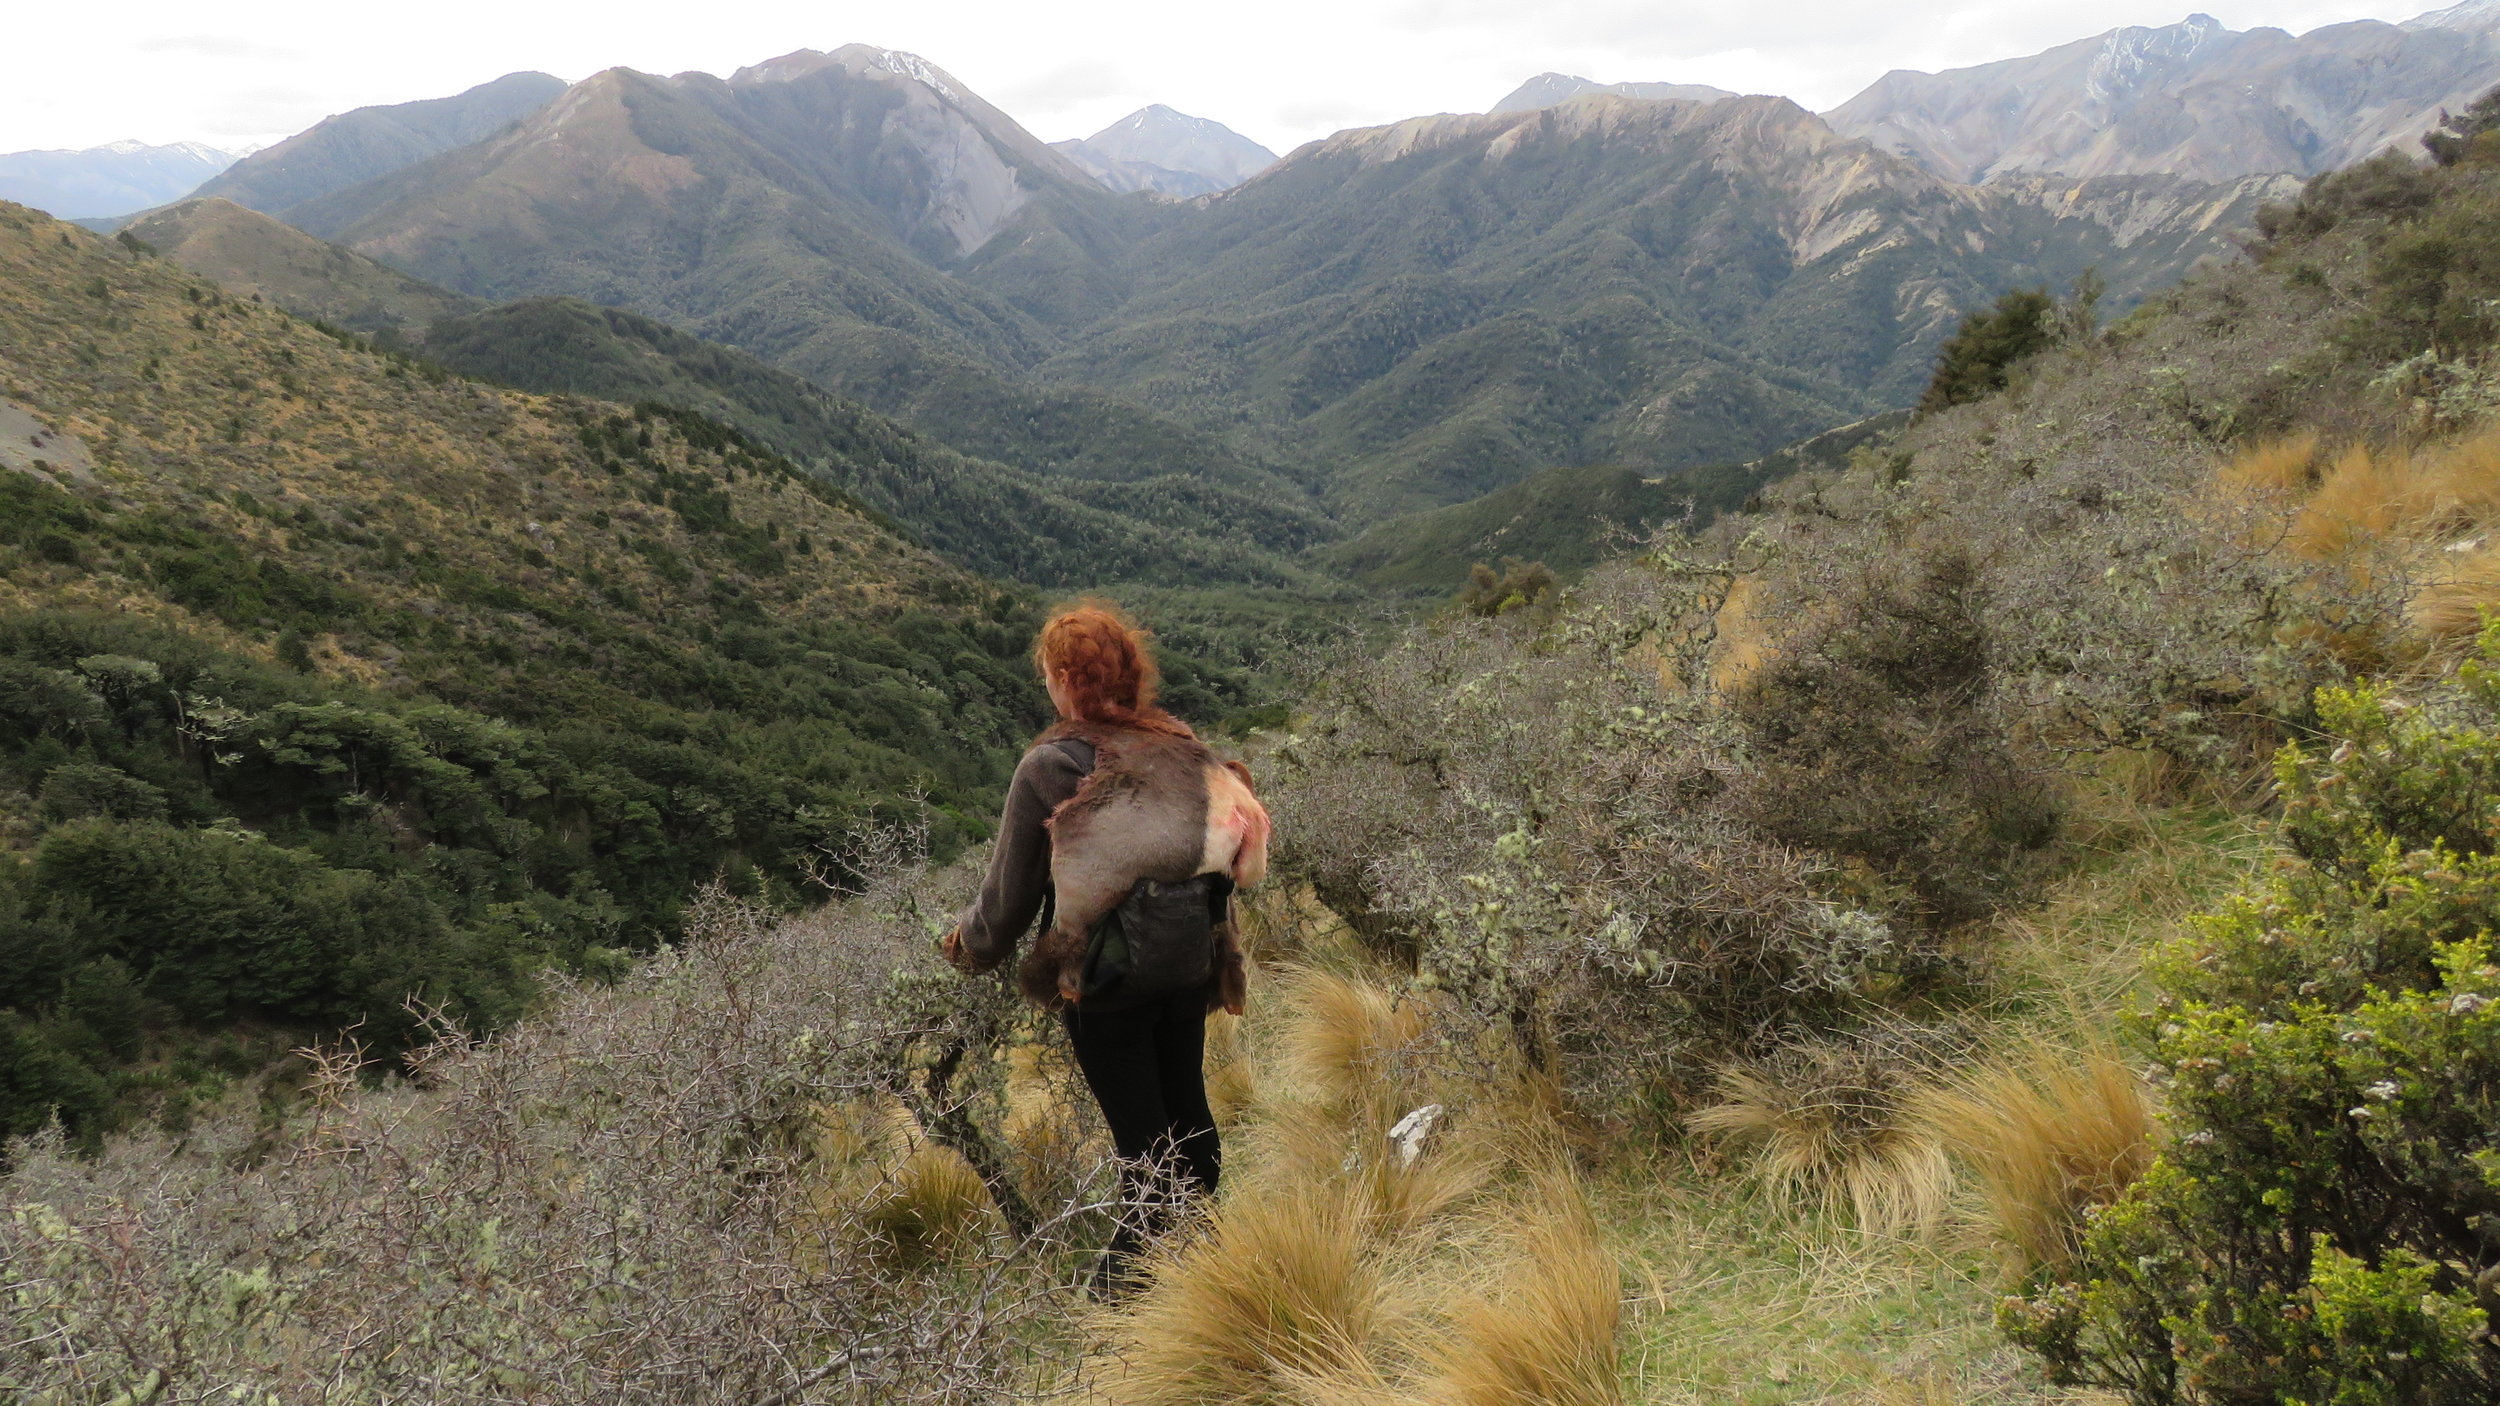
(2450, 141)
(1489, 593)
(1981, 353)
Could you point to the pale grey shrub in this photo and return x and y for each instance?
(619, 1200)
(1541, 813)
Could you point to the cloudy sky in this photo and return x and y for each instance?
(1282, 71)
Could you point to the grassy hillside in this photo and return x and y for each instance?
(1972, 925)
(368, 680)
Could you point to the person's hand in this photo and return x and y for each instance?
(952, 948)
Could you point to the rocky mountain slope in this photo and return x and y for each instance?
(2194, 99)
(1158, 149)
(860, 218)
(1444, 306)
(1547, 89)
(371, 142)
(105, 181)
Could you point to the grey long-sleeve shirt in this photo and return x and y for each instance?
(1019, 877)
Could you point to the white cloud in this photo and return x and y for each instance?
(1283, 72)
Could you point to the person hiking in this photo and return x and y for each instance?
(1126, 836)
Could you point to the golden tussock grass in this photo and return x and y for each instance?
(2430, 511)
(1281, 1287)
(1821, 1136)
(910, 1199)
(1232, 1079)
(1346, 1039)
(1547, 1331)
(2049, 1132)
(1744, 638)
(1332, 1271)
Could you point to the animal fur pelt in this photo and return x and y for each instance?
(1156, 806)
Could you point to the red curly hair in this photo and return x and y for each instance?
(1104, 667)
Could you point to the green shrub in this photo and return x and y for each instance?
(2324, 1222)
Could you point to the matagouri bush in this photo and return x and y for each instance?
(652, 1192)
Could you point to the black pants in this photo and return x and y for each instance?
(1146, 1066)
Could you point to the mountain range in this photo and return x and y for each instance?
(1164, 330)
(1548, 89)
(353, 147)
(2194, 98)
(105, 181)
(1389, 321)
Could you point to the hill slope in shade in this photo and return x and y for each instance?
(541, 560)
(371, 142)
(1055, 532)
(1572, 517)
(1175, 529)
(1173, 153)
(1445, 306)
(248, 253)
(106, 181)
(2194, 99)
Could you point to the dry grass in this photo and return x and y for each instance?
(1281, 1287)
(1744, 636)
(1829, 1126)
(931, 1207)
(1348, 1041)
(1548, 1332)
(1333, 1272)
(2050, 1131)
(1232, 1078)
(2429, 512)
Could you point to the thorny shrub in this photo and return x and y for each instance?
(1547, 815)
(627, 1198)
(2323, 1223)
(1877, 740)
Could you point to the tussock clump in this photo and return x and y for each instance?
(1545, 1332)
(931, 1206)
(1830, 1124)
(1283, 1284)
(1350, 1041)
(2051, 1133)
(2418, 524)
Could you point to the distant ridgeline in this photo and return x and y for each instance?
(328, 680)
